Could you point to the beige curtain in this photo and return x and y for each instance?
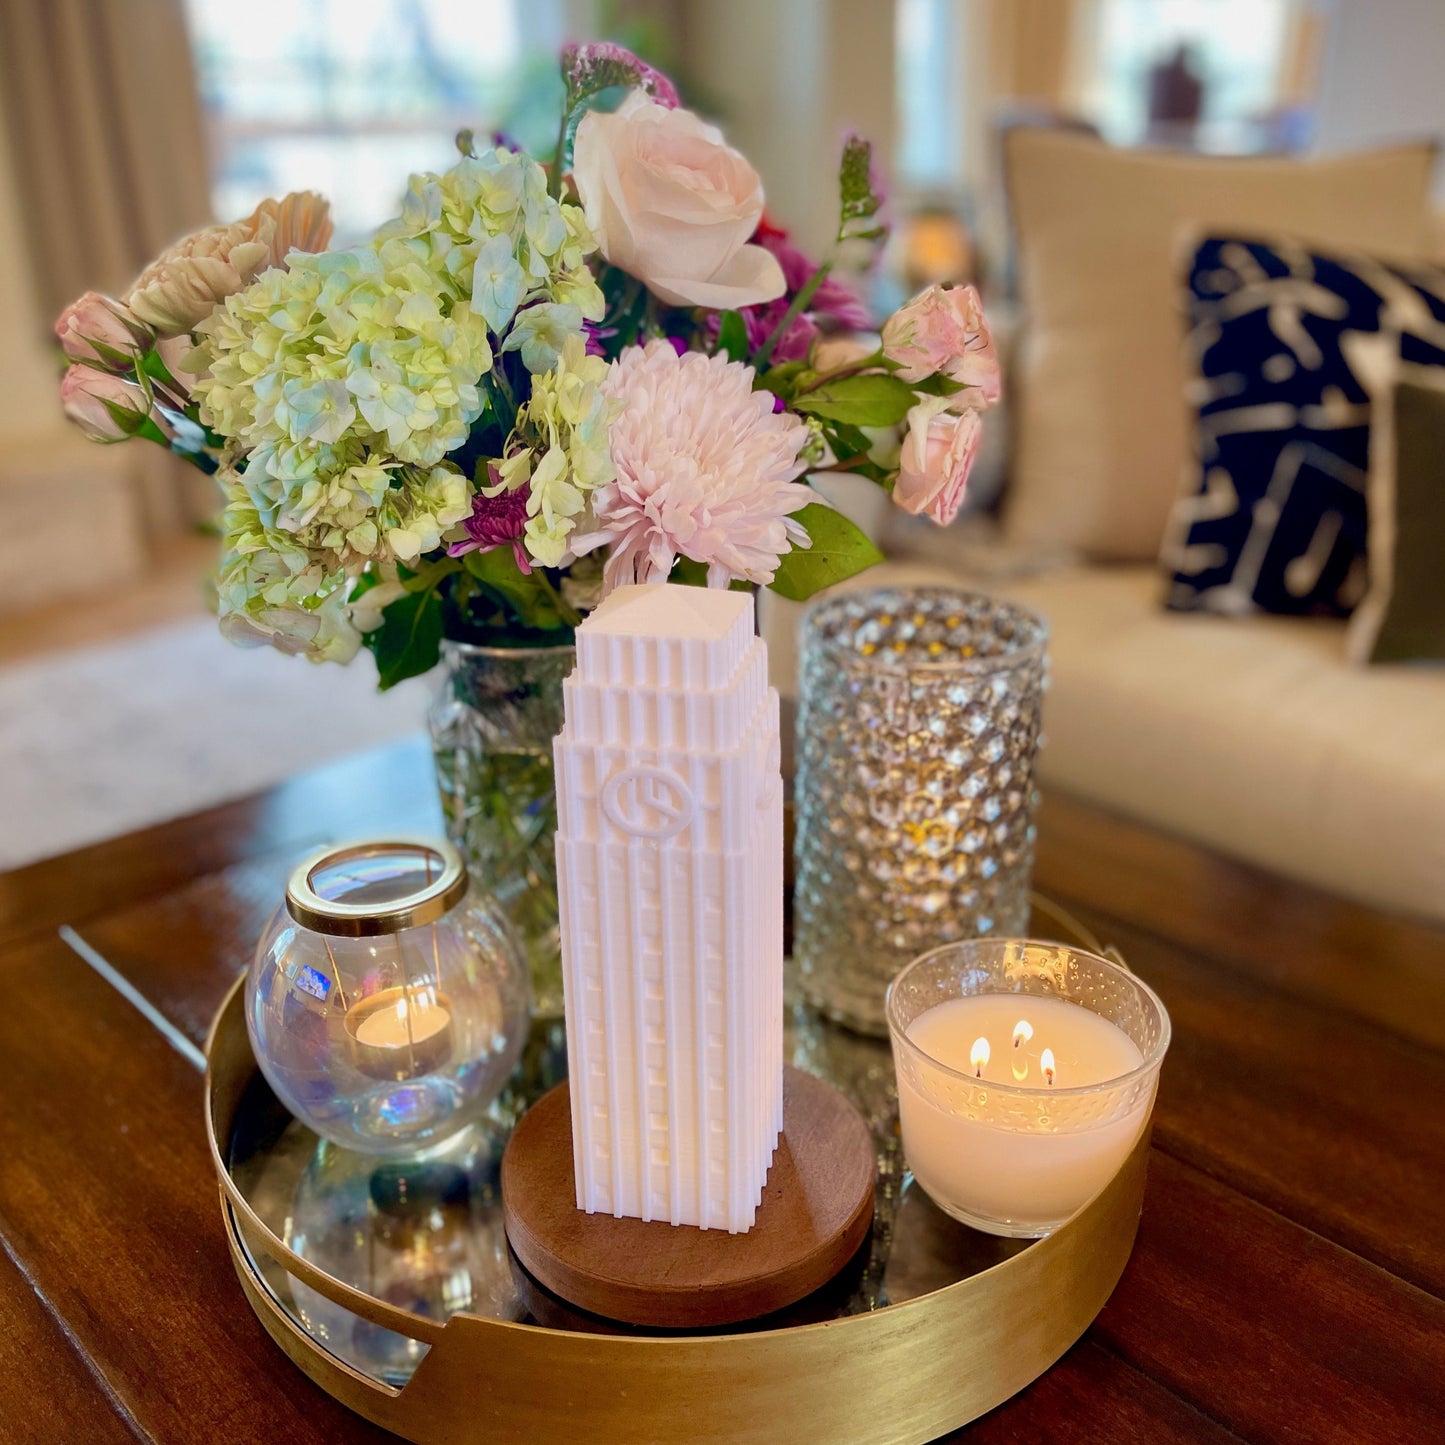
(109, 167)
(1032, 50)
(105, 124)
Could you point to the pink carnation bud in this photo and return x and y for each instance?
(942, 332)
(106, 408)
(99, 331)
(938, 454)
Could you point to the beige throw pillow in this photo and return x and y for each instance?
(1102, 430)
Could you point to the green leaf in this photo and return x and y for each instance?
(426, 575)
(528, 597)
(846, 441)
(839, 550)
(409, 640)
(783, 378)
(859, 400)
(732, 336)
(938, 385)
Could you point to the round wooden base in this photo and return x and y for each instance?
(816, 1208)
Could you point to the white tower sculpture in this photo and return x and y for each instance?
(670, 883)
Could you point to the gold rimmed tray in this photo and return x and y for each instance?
(928, 1327)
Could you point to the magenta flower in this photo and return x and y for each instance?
(833, 301)
(495, 522)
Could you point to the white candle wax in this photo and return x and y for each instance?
(387, 1028)
(1026, 1167)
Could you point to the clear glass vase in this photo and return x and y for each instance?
(492, 725)
(918, 725)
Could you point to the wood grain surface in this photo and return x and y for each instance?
(816, 1207)
(1289, 1277)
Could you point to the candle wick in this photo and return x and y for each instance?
(978, 1073)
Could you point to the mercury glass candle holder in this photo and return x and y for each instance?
(918, 726)
(1026, 1073)
(387, 1001)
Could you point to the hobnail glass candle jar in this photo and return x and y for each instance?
(387, 1001)
(1026, 1073)
(918, 726)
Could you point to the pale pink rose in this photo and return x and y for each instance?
(99, 331)
(673, 204)
(943, 331)
(106, 408)
(183, 286)
(935, 461)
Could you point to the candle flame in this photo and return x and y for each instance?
(1046, 1063)
(1023, 1032)
(978, 1056)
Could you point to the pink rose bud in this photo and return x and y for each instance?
(943, 332)
(106, 408)
(102, 332)
(937, 456)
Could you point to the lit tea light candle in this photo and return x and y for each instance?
(1016, 1108)
(400, 1032)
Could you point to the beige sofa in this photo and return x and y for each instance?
(1255, 737)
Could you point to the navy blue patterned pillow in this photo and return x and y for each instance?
(1279, 339)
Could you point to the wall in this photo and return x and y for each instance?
(1381, 76)
(790, 77)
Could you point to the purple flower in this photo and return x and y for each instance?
(596, 334)
(833, 301)
(496, 521)
(794, 343)
(601, 65)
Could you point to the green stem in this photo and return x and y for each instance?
(799, 305)
(853, 464)
(824, 378)
(565, 610)
(559, 160)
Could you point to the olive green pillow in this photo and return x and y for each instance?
(1402, 617)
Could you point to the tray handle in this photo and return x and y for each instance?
(229, 1066)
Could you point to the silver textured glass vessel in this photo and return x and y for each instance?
(918, 727)
(492, 725)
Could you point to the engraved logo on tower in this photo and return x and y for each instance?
(646, 802)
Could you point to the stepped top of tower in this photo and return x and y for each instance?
(666, 610)
(664, 636)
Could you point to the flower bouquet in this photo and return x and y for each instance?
(533, 385)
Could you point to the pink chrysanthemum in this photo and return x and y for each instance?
(705, 470)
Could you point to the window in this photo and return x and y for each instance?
(349, 97)
(930, 113)
(1237, 49)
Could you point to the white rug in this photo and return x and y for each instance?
(102, 740)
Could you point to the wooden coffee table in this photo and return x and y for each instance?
(1289, 1277)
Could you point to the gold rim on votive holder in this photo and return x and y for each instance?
(381, 904)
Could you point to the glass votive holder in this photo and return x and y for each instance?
(1026, 1074)
(918, 729)
(387, 1000)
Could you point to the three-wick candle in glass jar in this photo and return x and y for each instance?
(1026, 1074)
